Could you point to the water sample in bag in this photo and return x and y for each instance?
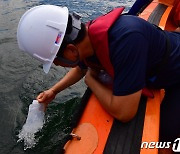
(34, 123)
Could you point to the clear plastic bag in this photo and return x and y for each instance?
(35, 116)
(34, 123)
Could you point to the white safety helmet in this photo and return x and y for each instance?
(41, 31)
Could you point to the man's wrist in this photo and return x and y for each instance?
(54, 91)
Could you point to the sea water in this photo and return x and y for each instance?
(34, 123)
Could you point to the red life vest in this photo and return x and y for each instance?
(98, 33)
(176, 16)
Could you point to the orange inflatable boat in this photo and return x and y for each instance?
(97, 132)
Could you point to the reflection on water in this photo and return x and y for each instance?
(22, 78)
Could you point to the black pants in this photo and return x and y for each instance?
(170, 114)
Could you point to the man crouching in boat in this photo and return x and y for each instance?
(133, 52)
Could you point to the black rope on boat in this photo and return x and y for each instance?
(61, 150)
(79, 112)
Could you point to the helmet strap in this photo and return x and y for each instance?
(69, 38)
(76, 26)
(69, 62)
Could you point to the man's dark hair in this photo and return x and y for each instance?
(67, 39)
